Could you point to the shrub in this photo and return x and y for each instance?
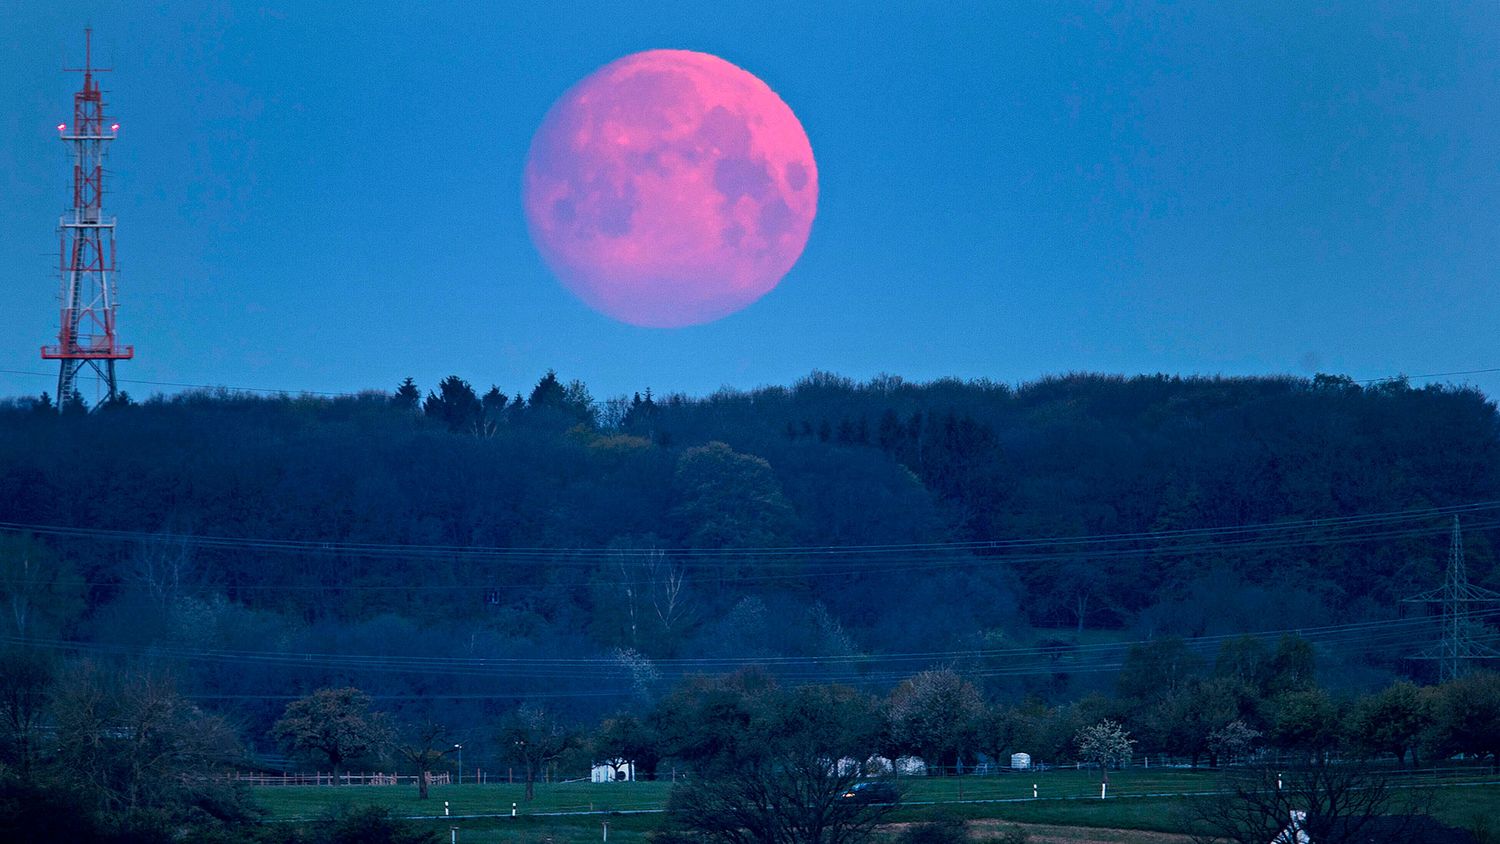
(940, 831)
(375, 825)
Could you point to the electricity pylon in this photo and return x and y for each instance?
(1458, 644)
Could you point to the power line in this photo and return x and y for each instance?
(275, 391)
(799, 564)
(1072, 659)
(555, 556)
(1427, 375)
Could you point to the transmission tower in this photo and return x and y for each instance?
(86, 249)
(1458, 644)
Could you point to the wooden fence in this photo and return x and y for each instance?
(376, 778)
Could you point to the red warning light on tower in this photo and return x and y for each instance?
(86, 337)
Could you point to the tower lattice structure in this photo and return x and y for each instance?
(1457, 598)
(86, 251)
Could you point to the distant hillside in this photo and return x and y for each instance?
(695, 527)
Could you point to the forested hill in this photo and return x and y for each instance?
(685, 527)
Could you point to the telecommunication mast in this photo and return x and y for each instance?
(87, 249)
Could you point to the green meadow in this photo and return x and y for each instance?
(1138, 799)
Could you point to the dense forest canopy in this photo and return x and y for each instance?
(844, 531)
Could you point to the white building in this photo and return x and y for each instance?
(613, 770)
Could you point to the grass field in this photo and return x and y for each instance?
(300, 802)
(1147, 800)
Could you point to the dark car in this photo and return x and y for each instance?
(872, 792)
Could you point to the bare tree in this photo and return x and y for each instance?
(630, 590)
(25, 683)
(85, 707)
(786, 785)
(38, 589)
(534, 737)
(1335, 803)
(169, 747)
(133, 743)
(165, 569)
(668, 592)
(649, 591)
(783, 797)
(425, 747)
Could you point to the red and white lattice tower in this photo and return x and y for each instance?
(87, 250)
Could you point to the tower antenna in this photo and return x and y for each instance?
(1458, 644)
(86, 249)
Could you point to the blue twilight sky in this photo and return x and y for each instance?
(325, 196)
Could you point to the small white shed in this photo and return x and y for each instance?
(613, 770)
(1020, 761)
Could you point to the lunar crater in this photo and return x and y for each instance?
(737, 177)
(796, 176)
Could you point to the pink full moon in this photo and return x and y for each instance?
(670, 188)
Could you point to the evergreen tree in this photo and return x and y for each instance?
(641, 418)
(407, 396)
(454, 405)
(548, 392)
(494, 403)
